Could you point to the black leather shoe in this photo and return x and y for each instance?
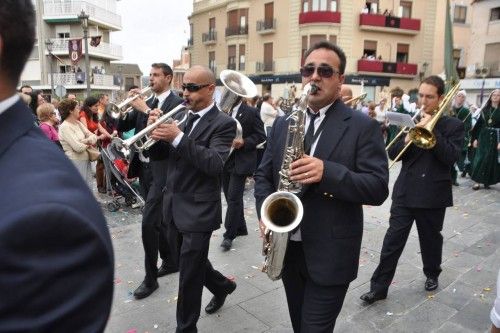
(243, 232)
(144, 290)
(372, 296)
(218, 301)
(165, 270)
(431, 284)
(226, 244)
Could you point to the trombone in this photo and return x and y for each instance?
(422, 136)
(356, 99)
(121, 109)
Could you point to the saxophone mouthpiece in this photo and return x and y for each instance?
(314, 89)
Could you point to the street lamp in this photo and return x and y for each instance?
(84, 18)
(50, 46)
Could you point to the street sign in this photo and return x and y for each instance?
(60, 91)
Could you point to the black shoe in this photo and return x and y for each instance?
(431, 284)
(372, 296)
(463, 174)
(226, 244)
(456, 183)
(243, 232)
(101, 190)
(218, 301)
(166, 269)
(144, 290)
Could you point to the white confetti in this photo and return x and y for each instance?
(389, 313)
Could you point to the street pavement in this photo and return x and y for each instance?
(471, 261)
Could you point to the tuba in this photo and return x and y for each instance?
(282, 211)
(236, 86)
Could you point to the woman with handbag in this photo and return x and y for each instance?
(76, 139)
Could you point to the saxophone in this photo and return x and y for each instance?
(282, 211)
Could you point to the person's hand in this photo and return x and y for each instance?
(424, 120)
(114, 134)
(133, 92)
(238, 143)
(307, 170)
(475, 143)
(154, 115)
(166, 132)
(139, 104)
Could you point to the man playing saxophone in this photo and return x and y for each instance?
(344, 167)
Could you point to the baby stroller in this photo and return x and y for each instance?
(117, 181)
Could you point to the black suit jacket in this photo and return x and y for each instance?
(56, 257)
(355, 173)
(242, 161)
(425, 178)
(192, 195)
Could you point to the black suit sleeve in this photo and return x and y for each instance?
(258, 135)
(56, 271)
(128, 122)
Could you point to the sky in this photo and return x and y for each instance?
(152, 31)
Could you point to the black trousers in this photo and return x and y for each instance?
(233, 186)
(313, 308)
(145, 179)
(429, 225)
(154, 232)
(195, 271)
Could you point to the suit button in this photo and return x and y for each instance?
(331, 196)
(423, 175)
(325, 193)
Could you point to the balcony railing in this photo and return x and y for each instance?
(319, 17)
(103, 50)
(399, 25)
(69, 79)
(209, 37)
(61, 11)
(266, 66)
(387, 68)
(235, 31)
(266, 26)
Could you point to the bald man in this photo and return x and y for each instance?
(346, 94)
(192, 206)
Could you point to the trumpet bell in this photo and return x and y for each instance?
(422, 137)
(282, 211)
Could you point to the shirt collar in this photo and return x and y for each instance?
(323, 110)
(203, 112)
(7, 103)
(162, 97)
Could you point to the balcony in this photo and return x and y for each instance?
(68, 11)
(97, 81)
(266, 26)
(391, 24)
(266, 66)
(231, 66)
(384, 68)
(319, 17)
(237, 31)
(103, 50)
(209, 38)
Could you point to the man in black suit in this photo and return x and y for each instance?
(154, 233)
(345, 167)
(238, 167)
(421, 193)
(56, 257)
(192, 205)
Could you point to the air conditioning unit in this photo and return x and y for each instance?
(482, 71)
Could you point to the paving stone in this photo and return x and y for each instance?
(457, 295)
(461, 261)
(452, 327)
(474, 316)
(233, 319)
(270, 308)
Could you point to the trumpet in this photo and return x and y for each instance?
(121, 109)
(422, 136)
(142, 141)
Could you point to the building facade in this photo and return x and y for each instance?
(388, 43)
(57, 22)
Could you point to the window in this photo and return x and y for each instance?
(63, 35)
(456, 57)
(333, 39)
(323, 4)
(313, 39)
(333, 5)
(491, 59)
(370, 48)
(372, 6)
(268, 57)
(459, 14)
(315, 5)
(211, 25)
(231, 57)
(319, 5)
(402, 53)
(65, 69)
(304, 49)
(305, 6)
(405, 9)
(495, 14)
(242, 57)
(211, 61)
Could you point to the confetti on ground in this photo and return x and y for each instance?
(430, 296)
(132, 330)
(175, 298)
(231, 277)
(128, 301)
(478, 269)
(454, 290)
(129, 282)
(118, 281)
(389, 313)
(155, 326)
(255, 267)
(487, 289)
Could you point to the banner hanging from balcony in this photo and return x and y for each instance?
(75, 50)
(95, 41)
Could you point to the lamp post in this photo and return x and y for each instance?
(84, 18)
(50, 46)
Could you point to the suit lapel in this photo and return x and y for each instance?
(333, 130)
(16, 121)
(204, 122)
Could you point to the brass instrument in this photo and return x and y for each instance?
(282, 211)
(236, 86)
(356, 99)
(423, 137)
(119, 110)
(403, 130)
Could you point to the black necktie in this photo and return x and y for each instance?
(190, 121)
(154, 105)
(309, 137)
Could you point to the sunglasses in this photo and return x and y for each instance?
(193, 87)
(324, 71)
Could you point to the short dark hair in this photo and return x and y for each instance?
(266, 97)
(167, 70)
(25, 86)
(397, 92)
(435, 81)
(332, 47)
(17, 30)
(133, 87)
(66, 106)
